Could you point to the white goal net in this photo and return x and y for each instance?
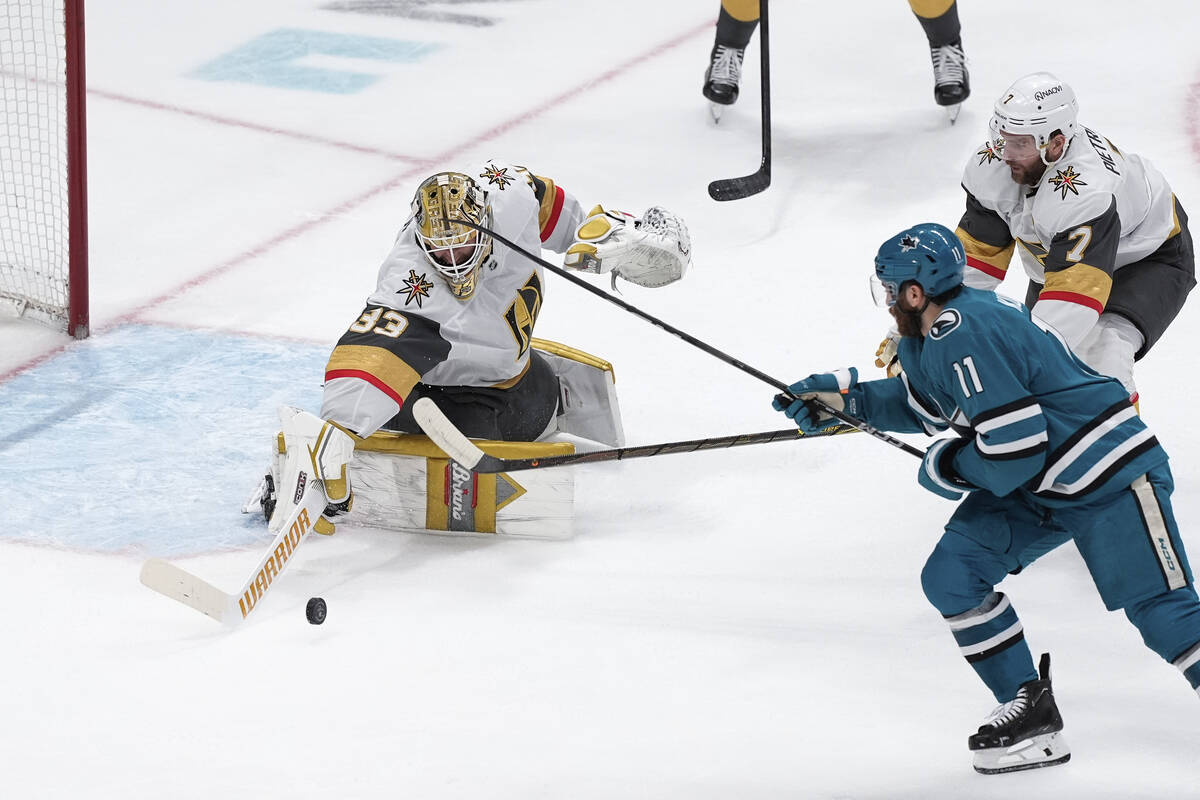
(43, 228)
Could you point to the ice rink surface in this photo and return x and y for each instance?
(735, 624)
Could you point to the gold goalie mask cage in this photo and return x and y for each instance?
(455, 250)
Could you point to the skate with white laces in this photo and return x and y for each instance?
(723, 78)
(951, 81)
(1024, 733)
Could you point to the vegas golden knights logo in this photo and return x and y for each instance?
(523, 312)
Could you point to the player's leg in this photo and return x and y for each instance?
(735, 25)
(588, 404)
(939, 20)
(1148, 295)
(987, 539)
(1132, 548)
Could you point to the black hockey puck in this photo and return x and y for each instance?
(315, 610)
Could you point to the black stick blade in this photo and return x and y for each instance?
(737, 188)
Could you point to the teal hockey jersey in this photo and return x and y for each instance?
(1039, 420)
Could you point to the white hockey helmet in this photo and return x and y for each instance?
(1036, 105)
(457, 251)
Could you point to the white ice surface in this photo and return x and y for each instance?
(739, 624)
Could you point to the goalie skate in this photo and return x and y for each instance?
(1024, 733)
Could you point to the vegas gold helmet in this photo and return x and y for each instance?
(455, 250)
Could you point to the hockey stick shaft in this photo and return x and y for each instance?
(737, 188)
(448, 437)
(692, 340)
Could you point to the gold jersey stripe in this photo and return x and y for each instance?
(1082, 280)
(995, 256)
(930, 9)
(384, 366)
(741, 10)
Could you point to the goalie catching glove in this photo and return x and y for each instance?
(652, 250)
(838, 390)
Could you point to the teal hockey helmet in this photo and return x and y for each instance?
(928, 254)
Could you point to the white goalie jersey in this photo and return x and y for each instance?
(487, 337)
(414, 330)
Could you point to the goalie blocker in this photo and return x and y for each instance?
(406, 482)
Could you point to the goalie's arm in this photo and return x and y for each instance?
(558, 212)
(375, 366)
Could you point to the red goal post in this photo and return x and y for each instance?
(43, 163)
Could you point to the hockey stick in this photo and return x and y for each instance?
(230, 609)
(737, 188)
(447, 436)
(692, 340)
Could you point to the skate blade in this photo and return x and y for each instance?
(715, 110)
(952, 112)
(1045, 750)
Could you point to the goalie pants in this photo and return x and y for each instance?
(1129, 542)
(521, 413)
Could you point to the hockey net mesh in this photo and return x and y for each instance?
(34, 254)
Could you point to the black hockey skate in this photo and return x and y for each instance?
(1024, 733)
(723, 77)
(951, 81)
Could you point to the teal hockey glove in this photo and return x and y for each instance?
(834, 389)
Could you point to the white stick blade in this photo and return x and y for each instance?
(178, 584)
(445, 435)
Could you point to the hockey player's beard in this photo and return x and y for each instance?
(907, 322)
(1027, 176)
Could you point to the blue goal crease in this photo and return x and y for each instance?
(148, 439)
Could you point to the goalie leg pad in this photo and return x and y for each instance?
(405, 482)
(588, 405)
(314, 450)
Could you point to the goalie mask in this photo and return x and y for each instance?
(455, 250)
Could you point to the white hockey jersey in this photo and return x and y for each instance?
(1094, 211)
(415, 331)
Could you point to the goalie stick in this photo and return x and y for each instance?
(737, 188)
(447, 436)
(230, 609)
(692, 340)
